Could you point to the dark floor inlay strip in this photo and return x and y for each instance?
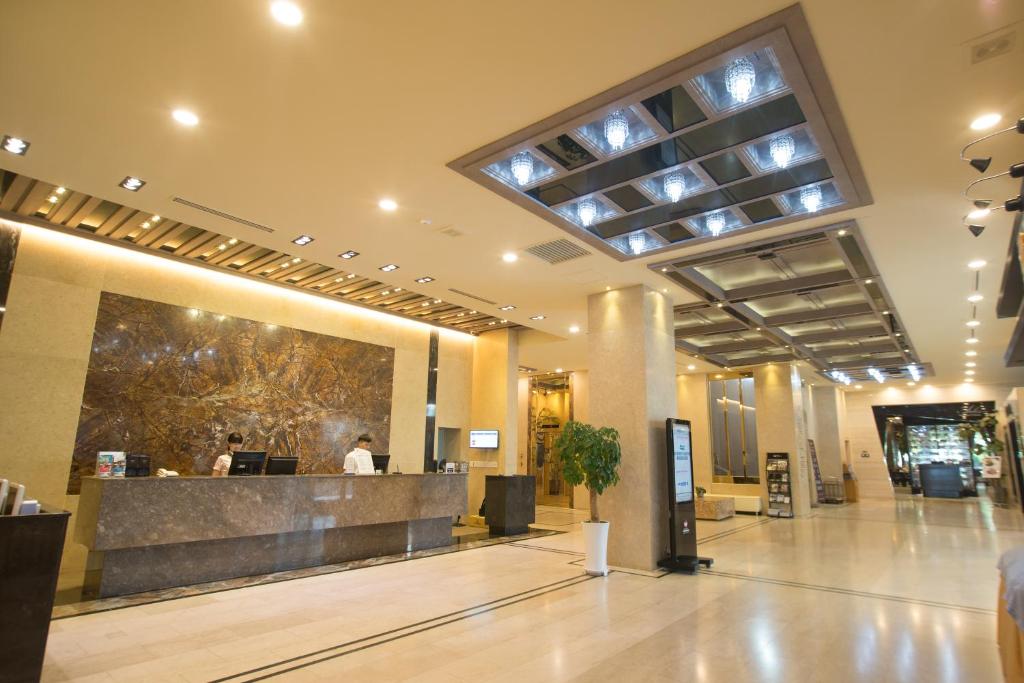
(418, 627)
(849, 591)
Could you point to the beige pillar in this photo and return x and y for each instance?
(494, 405)
(581, 413)
(827, 440)
(781, 427)
(632, 388)
(692, 395)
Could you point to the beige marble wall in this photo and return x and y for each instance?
(47, 332)
(692, 396)
(494, 405)
(633, 388)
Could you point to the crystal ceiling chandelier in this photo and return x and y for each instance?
(675, 185)
(616, 130)
(810, 197)
(522, 167)
(715, 223)
(587, 211)
(739, 79)
(637, 242)
(782, 149)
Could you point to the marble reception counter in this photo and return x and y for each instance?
(150, 533)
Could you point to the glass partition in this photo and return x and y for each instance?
(733, 430)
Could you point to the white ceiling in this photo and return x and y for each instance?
(305, 129)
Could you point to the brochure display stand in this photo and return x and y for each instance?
(780, 486)
(682, 520)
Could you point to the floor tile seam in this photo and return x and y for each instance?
(338, 568)
(470, 613)
(725, 534)
(374, 636)
(546, 550)
(851, 592)
(919, 524)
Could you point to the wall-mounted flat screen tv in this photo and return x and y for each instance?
(483, 438)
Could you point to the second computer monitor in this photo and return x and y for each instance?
(380, 462)
(279, 464)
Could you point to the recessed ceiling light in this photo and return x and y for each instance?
(911, 384)
(574, 329)
(973, 323)
(868, 281)
(720, 305)
(858, 386)
(385, 292)
(975, 298)
(287, 13)
(968, 379)
(53, 199)
(691, 367)
(437, 301)
(15, 145)
(350, 276)
(61, 190)
(985, 121)
(885, 312)
(423, 280)
(387, 268)
(132, 183)
(976, 264)
(233, 241)
(388, 204)
(503, 321)
(558, 369)
(185, 117)
(296, 260)
(971, 340)
(302, 240)
(510, 257)
(968, 372)
(841, 233)
(971, 354)
(718, 377)
(146, 225)
(970, 364)
(898, 334)
(537, 317)
(349, 254)
(510, 307)
(664, 270)
(425, 303)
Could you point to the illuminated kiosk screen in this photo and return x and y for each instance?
(483, 438)
(682, 465)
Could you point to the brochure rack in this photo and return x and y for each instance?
(780, 485)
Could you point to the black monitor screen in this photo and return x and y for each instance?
(380, 462)
(279, 464)
(247, 462)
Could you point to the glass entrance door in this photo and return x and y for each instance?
(550, 409)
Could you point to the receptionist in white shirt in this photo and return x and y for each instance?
(223, 464)
(359, 461)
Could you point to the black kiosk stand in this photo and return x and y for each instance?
(682, 524)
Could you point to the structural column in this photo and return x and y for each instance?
(828, 415)
(782, 428)
(494, 405)
(633, 389)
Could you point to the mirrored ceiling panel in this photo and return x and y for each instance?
(729, 138)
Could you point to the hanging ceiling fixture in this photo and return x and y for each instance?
(616, 130)
(675, 186)
(715, 223)
(782, 149)
(739, 79)
(587, 211)
(810, 197)
(522, 167)
(637, 242)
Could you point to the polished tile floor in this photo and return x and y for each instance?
(874, 591)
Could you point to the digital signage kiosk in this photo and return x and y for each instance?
(682, 515)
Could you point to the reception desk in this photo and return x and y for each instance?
(150, 533)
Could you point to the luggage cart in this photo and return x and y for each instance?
(833, 491)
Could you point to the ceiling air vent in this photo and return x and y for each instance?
(984, 50)
(221, 214)
(557, 251)
(473, 296)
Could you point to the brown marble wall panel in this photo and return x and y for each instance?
(173, 382)
(9, 236)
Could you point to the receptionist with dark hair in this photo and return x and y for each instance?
(223, 464)
(359, 460)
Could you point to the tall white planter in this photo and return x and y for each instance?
(595, 541)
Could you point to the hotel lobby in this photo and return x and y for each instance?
(416, 342)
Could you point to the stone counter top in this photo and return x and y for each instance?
(138, 512)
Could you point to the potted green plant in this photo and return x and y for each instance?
(591, 456)
(701, 491)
